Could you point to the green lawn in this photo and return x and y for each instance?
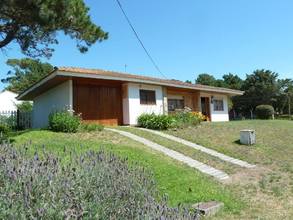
(265, 192)
(269, 188)
(186, 150)
(181, 183)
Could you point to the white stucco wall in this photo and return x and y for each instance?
(8, 101)
(132, 108)
(57, 98)
(218, 115)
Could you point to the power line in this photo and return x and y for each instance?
(139, 40)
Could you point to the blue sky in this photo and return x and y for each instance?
(185, 38)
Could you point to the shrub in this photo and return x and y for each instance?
(4, 130)
(25, 106)
(93, 185)
(185, 118)
(64, 121)
(9, 120)
(88, 127)
(264, 111)
(156, 122)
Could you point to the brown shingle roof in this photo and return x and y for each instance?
(169, 82)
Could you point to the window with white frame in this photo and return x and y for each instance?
(218, 104)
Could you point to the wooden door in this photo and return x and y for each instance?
(98, 103)
(205, 106)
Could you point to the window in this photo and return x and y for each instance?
(174, 104)
(218, 105)
(147, 97)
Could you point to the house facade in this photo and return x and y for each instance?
(113, 98)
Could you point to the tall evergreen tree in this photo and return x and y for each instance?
(34, 24)
(24, 73)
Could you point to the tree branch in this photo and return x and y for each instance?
(9, 36)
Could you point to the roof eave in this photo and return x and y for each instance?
(37, 84)
(57, 72)
(100, 76)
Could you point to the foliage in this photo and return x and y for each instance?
(284, 117)
(190, 188)
(228, 81)
(200, 116)
(232, 81)
(9, 120)
(89, 127)
(156, 122)
(25, 72)
(4, 130)
(186, 118)
(261, 87)
(34, 24)
(64, 121)
(264, 111)
(206, 79)
(91, 185)
(183, 118)
(284, 96)
(25, 106)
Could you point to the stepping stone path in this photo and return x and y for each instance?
(203, 149)
(218, 174)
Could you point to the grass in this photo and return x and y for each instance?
(269, 188)
(265, 192)
(186, 150)
(182, 184)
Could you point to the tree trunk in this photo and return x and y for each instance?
(289, 106)
(251, 113)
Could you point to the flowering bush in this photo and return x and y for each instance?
(200, 116)
(185, 119)
(93, 185)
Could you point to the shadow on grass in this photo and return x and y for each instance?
(237, 142)
(17, 133)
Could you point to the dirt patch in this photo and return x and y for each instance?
(248, 176)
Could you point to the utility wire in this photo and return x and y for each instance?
(138, 38)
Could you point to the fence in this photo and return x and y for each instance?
(17, 120)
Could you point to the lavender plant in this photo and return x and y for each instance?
(93, 185)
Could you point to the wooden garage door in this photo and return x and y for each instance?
(98, 103)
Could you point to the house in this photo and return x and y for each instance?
(8, 101)
(114, 98)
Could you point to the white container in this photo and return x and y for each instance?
(247, 137)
